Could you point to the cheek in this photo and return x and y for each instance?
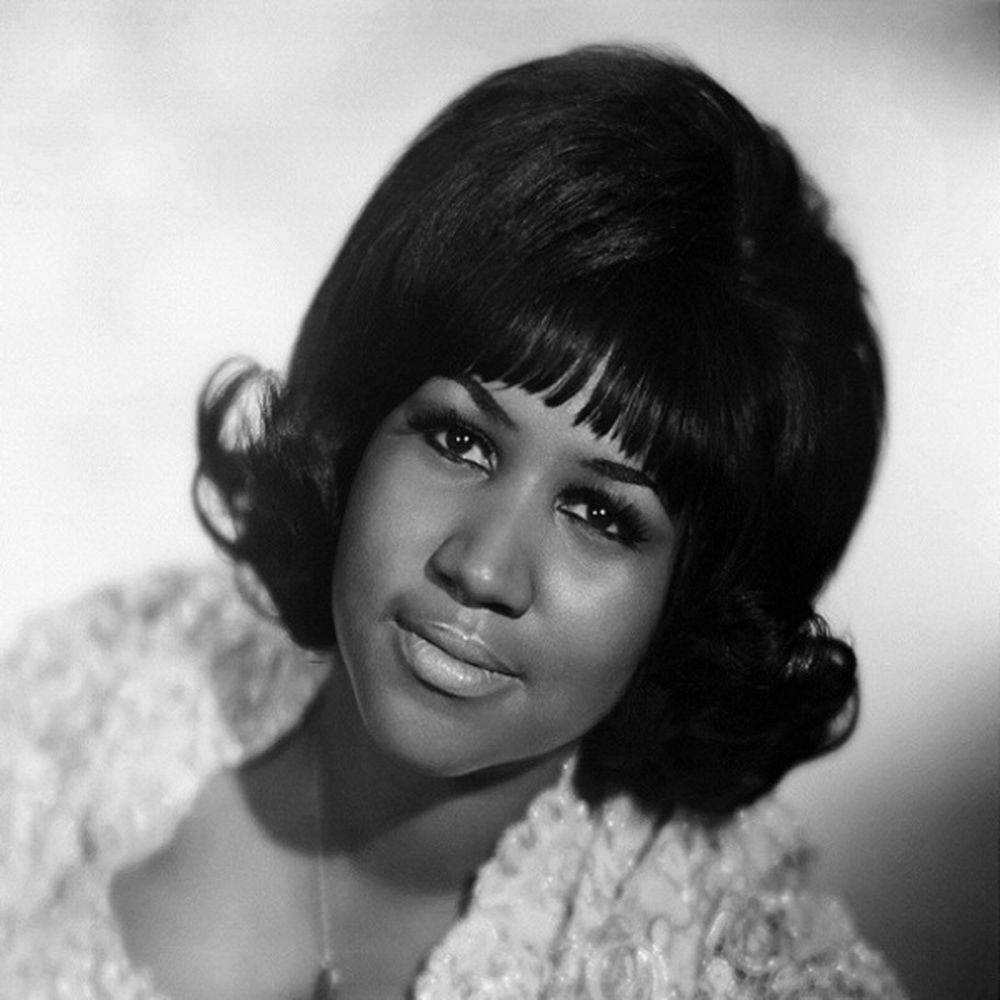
(616, 609)
(606, 627)
(359, 563)
(383, 536)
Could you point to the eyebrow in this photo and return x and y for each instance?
(484, 400)
(619, 472)
(610, 469)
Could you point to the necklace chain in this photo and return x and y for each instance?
(328, 978)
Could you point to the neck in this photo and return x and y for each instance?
(411, 831)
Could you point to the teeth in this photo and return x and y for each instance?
(448, 674)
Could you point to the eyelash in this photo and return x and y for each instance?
(431, 421)
(631, 526)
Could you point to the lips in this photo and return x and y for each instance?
(448, 660)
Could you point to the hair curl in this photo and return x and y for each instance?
(616, 212)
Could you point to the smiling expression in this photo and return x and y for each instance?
(499, 574)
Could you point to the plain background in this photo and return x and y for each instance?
(175, 177)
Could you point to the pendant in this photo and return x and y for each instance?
(327, 983)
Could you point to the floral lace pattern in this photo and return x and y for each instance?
(114, 713)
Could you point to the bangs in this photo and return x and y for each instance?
(558, 364)
(671, 377)
(638, 362)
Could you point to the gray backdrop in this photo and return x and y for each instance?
(175, 176)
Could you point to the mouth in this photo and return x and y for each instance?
(443, 658)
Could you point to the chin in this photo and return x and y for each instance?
(442, 741)
(430, 743)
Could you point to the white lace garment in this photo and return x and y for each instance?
(114, 712)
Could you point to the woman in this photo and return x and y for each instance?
(575, 429)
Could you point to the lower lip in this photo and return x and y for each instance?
(443, 672)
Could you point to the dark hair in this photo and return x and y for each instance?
(611, 211)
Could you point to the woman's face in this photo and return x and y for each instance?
(499, 574)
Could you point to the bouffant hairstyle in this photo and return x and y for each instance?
(614, 213)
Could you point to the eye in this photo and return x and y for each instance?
(605, 515)
(450, 436)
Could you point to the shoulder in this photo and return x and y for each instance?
(165, 644)
(114, 710)
(727, 912)
(583, 904)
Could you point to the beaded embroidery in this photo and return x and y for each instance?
(114, 713)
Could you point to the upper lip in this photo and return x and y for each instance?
(456, 642)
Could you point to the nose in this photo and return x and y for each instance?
(485, 560)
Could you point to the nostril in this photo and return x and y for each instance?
(444, 580)
(477, 574)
